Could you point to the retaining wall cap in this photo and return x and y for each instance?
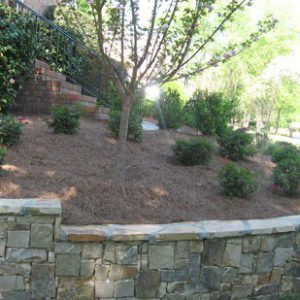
(30, 207)
(180, 231)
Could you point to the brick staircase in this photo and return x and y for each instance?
(49, 88)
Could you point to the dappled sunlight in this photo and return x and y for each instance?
(69, 193)
(159, 191)
(15, 169)
(110, 140)
(51, 173)
(10, 189)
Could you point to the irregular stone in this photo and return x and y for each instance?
(264, 278)
(64, 247)
(213, 252)
(296, 285)
(75, 289)
(126, 255)
(267, 289)
(264, 263)
(87, 268)
(292, 269)
(285, 240)
(161, 256)
(29, 219)
(14, 226)
(286, 283)
(14, 268)
(211, 277)
(267, 243)
(104, 289)
(15, 295)
(91, 250)
(19, 255)
(225, 296)
(67, 265)
(176, 275)
(175, 297)
(276, 275)
(18, 239)
(229, 275)
(148, 285)
(181, 264)
(232, 253)
(43, 281)
(246, 263)
(282, 255)
(2, 247)
(11, 283)
(83, 233)
(176, 287)
(41, 236)
(51, 256)
(162, 290)
(109, 253)
(194, 268)
(251, 244)
(196, 246)
(102, 272)
(124, 288)
(249, 279)
(182, 249)
(118, 272)
(241, 291)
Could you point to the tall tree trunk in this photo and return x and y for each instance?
(278, 120)
(123, 131)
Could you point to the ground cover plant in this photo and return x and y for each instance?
(10, 130)
(2, 157)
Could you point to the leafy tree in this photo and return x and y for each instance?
(170, 45)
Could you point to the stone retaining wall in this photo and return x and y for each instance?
(40, 259)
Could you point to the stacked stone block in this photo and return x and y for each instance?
(40, 259)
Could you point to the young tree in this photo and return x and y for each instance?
(172, 41)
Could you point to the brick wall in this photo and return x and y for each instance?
(40, 6)
(209, 260)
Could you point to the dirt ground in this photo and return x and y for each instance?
(83, 171)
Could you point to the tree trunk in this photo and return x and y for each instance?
(123, 130)
(277, 120)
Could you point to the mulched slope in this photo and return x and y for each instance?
(84, 173)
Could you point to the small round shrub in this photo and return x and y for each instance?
(135, 128)
(287, 175)
(10, 130)
(236, 144)
(282, 151)
(195, 151)
(169, 110)
(237, 181)
(2, 157)
(65, 119)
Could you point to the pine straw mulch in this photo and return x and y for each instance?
(94, 188)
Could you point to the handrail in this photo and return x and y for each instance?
(94, 74)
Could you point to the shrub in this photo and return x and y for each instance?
(2, 157)
(236, 144)
(195, 151)
(287, 175)
(283, 150)
(10, 130)
(65, 119)
(262, 142)
(148, 108)
(18, 49)
(169, 110)
(209, 113)
(237, 181)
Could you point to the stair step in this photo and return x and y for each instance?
(89, 99)
(41, 64)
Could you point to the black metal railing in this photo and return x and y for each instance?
(66, 54)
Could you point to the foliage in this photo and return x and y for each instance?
(169, 110)
(282, 150)
(135, 129)
(10, 130)
(237, 181)
(262, 142)
(195, 151)
(18, 50)
(236, 144)
(2, 157)
(65, 119)
(209, 113)
(287, 175)
(148, 108)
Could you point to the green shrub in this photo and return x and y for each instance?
(169, 110)
(18, 50)
(283, 150)
(262, 142)
(2, 157)
(10, 130)
(148, 108)
(287, 175)
(65, 119)
(209, 113)
(236, 144)
(237, 181)
(195, 151)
